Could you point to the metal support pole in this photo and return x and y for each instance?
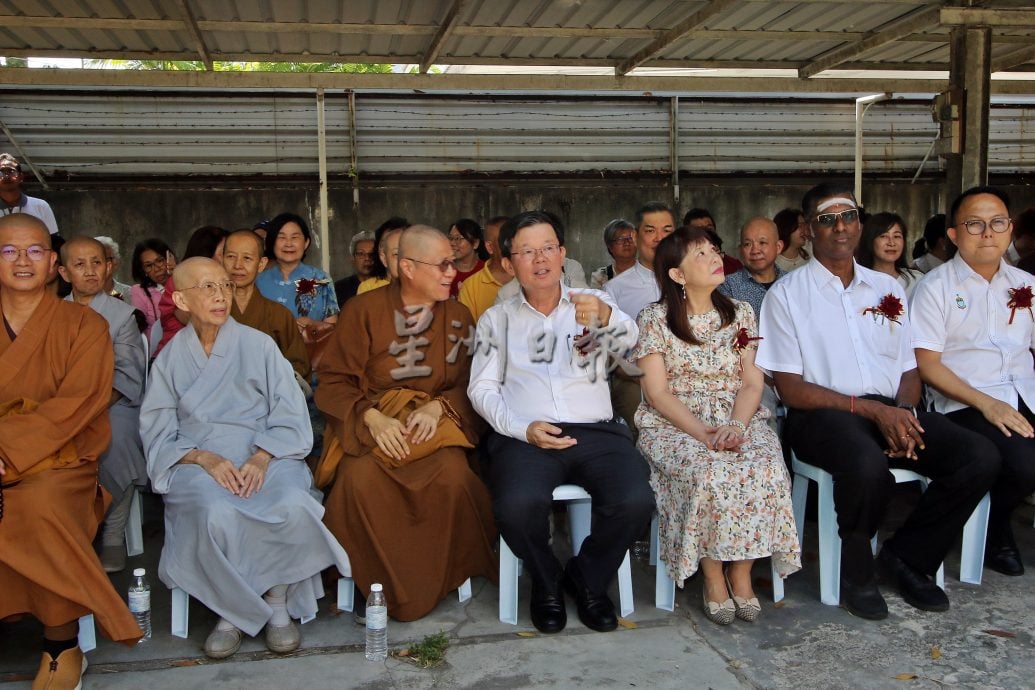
(324, 236)
(861, 106)
(22, 157)
(353, 155)
(673, 154)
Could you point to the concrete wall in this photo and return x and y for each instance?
(129, 215)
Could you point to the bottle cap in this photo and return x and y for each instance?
(138, 572)
(376, 587)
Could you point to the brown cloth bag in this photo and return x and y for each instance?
(66, 455)
(398, 403)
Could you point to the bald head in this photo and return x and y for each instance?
(418, 240)
(186, 274)
(757, 225)
(78, 243)
(759, 246)
(260, 244)
(25, 222)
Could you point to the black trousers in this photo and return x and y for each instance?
(961, 464)
(605, 463)
(1016, 474)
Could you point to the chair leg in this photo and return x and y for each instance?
(975, 532)
(87, 634)
(508, 584)
(654, 540)
(625, 586)
(829, 545)
(180, 612)
(799, 496)
(664, 587)
(777, 581)
(134, 526)
(580, 519)
(346, 594)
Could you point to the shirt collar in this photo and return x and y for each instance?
(823, 277)
(22, 201)
(565, 298)
(963, 271)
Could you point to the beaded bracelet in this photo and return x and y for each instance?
(737, 424)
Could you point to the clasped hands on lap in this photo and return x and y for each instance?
(244, 481)
(899, 427)
(391, 435)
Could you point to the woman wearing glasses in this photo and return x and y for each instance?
(620, 240)
(150, 268)
(883, 247)
(465, 237)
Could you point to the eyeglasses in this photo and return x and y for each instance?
(977, 227)
(363, 255)
(35, 253)
(629, 240)
(829, 220)
(9, 172)
(211, 289)
(445, 266)
(528, 255)
(150, 265)
(457, 238)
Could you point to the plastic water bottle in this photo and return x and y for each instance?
(140, 602)
(377, 624)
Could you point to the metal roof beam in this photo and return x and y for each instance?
(673, 36)
(476, 83)
(893, 31)
(995, 18)
(195, 33)
(444, 33)
(1014, 59)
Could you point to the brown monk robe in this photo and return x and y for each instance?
(56, 366)
(422, 528)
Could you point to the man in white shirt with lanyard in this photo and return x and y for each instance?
(634, 289)
(542, 385)
(14, 200)
(836, 338)
(974, 330)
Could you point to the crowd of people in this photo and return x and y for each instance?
(391, 425)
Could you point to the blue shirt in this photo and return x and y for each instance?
(743, 287)
(317, 304)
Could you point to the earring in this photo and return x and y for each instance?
(684, 290)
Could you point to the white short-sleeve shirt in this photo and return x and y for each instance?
(966, 318)
(634, 289)
(814, 326)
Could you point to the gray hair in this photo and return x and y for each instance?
(365, 236)
(612, 228)
(110, 244)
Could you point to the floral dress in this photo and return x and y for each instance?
(726, 505)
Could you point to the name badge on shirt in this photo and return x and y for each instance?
(960, 304)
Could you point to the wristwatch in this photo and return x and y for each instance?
(905, 406)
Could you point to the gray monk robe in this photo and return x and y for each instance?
(224, 550)
(123, 463)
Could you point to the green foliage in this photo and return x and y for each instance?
(430, 651)
(15, 62)
(198, 66)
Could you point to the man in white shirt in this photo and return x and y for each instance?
(634, 289)
(14, 200)
(973, 330)
(836, 338)
(542, 386)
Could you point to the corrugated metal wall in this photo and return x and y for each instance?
(137, 135)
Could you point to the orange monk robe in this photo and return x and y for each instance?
(278, 323)
(424, 528)
(63, 360)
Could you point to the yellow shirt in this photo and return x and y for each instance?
(478, 291)
(371, 284)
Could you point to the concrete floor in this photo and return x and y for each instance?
(799, 644)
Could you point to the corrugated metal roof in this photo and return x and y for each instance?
(562, 32)
(182, 134)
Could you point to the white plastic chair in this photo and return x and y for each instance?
(580, 513)
(347, 593)
(971, 562)
(87, 634)
(665, 588)
(135, 525)
(181, 613)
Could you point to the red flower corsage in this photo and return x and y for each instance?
(1020, 298)
(889, 307)
(307, 286)
(742, 339)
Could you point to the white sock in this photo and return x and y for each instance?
(225, 626)
(277, 599)
(118, 515)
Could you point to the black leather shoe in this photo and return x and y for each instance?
(916, 588)
(1005, 560)
(595, 610)
(549, 614)
(863, 600)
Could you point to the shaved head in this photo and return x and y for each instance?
(418, 240)
(260, 244)
(759, 224)
(80, 241)
(23, 221)
(185, 274)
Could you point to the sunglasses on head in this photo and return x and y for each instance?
(829, 220)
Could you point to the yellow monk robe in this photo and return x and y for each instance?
(63, 360)
(424, 528)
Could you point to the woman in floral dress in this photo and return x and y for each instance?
(723, 493)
